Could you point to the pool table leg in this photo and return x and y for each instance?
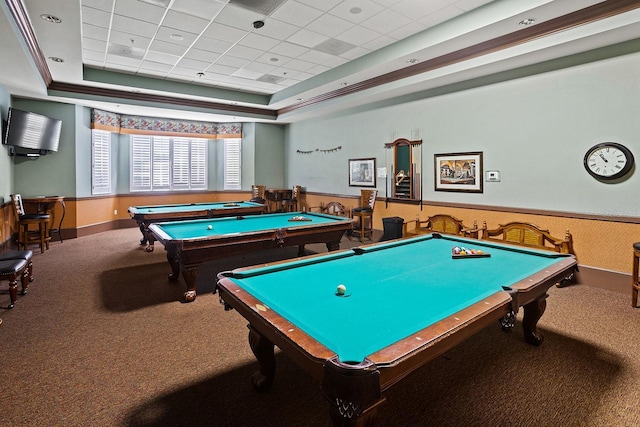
(143, 230)
(353, 391)
(263, 350)
(190, 274)
(532, 314)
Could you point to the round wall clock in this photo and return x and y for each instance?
(608, 161)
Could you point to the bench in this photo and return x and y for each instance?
(11, 270)
(531, 236)
(441, 223)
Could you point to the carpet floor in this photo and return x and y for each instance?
(102, 339)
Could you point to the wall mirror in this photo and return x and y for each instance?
(404, 169)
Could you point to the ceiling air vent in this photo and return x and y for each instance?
(270, 78)
(264, 7)
(334, 47)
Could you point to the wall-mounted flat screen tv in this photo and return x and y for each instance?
(32, 131)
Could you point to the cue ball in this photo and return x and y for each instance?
(209, 227)
(341, 289)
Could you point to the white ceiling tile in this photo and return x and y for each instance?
(358, 35)
(224, 32)
(329, 25)
(298, 65)
(172, 35)
(289, 49)
(96, 17)
(316, 57)
(94, 45)
(128, 39)
(161, 57)
(244, 52)
(221, 69)
(133, 26)
(386, 22)
(140, 11)
(307, 38)
(105, 5)
(279, 30)
(93, 55)
(206, 9)
(299, 13)
(356, 52)
(183, 22)
(417, 9)
(150, 65)
(170, 48)
(471, 4)
(192, 64)
(375, 44)
(324, 5)
(130, 63)
(356, 11)
(94, 32)
(259, 42)
(211, 45)
(201, 55)
(237, 17)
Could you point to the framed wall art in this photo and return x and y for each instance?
(362, 172)
(459, 172)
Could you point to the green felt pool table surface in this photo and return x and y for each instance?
(147, 215)
(406, 302)
(190, 243)
(225, 226)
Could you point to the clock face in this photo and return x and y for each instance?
(608, 160)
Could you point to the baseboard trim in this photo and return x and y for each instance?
(611, 280)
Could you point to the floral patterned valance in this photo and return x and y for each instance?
(127, 124)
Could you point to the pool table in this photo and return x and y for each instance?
(190, 243)
(146, 215)
(406, 302)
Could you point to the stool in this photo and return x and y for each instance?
(10, 270)
(635, 286)
(26, 255)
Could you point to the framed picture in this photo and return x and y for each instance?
(459, 172)
(362, 172)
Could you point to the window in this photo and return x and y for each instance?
(168, 163)
(100, 162)
(232, 163)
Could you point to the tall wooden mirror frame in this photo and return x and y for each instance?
(404, 170)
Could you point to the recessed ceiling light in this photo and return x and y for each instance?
(527, 22)
(412, 60)
(56, 59)
(176, 37)
(355, 10)
(51, 18)
(200, 75)
(274, 59)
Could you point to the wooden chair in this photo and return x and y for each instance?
(635, 284)
(257, 195)
(364, 214)
(291, 204)
(531, 236)
(441, 223)
(334, 208)
(25, 224)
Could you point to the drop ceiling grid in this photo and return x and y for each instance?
(217, 39)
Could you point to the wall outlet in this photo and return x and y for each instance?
(115, 211)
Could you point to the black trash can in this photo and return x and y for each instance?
(392, 228)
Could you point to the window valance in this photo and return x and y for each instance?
(128, 124)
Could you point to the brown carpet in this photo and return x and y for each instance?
(101, 339)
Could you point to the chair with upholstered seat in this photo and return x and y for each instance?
(27, 224)
(291, 204)
(364, 214)
(12, 270)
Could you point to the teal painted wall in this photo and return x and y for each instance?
(55, 173)
(535, 130)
